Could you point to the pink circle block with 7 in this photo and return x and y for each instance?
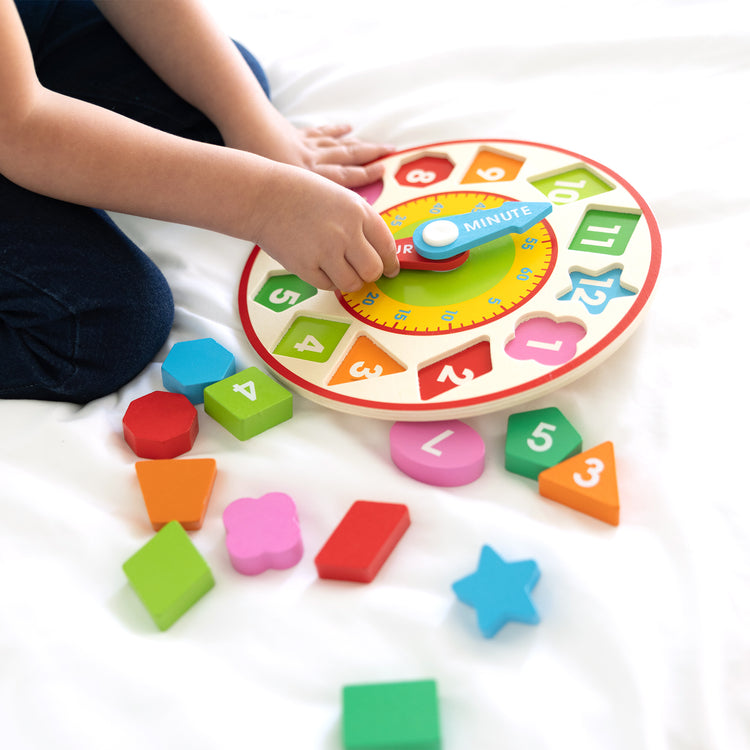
(447, 454)
(263, 533)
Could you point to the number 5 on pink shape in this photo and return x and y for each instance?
(263, 533)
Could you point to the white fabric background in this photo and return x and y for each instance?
(645, 629)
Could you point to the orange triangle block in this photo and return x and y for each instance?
(176, 490)
(365, 360)
(586, 482)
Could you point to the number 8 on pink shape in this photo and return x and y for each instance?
(447, 454)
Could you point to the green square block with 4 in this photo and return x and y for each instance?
(248, 403)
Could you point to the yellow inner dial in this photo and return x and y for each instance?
(498, 275)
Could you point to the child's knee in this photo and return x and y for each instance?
(119, 343)
(77, 353)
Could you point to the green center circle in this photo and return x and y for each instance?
(486, 265)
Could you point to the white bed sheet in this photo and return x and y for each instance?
(644, 639)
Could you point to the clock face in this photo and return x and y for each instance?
(497, 276)
(507, 321)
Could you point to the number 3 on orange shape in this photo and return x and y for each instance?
(586, 482)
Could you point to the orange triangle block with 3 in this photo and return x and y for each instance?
(176, 490)
(586, 482)
(363, 361)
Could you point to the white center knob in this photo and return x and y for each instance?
(440, 233)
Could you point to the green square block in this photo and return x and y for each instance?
(312, 339)
(168, 574)
(539, 439)
(248, 403)
(392, 716)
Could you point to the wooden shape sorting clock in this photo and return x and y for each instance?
(516, 313)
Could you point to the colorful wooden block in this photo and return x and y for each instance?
(446, 454)
(391, 716)
(176, 490)
(248, 403)
(190, 366)
(362, 541)
(263, 533)
(169, 575)
(499, 591)
(539, 439)
(160, 425)
(586, 482)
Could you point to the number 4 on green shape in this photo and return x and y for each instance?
(313, 339)
(539, 439)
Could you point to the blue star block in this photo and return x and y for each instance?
(595, 292)
(499, 591)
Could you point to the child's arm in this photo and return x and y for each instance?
(71, 150)
(215, 79)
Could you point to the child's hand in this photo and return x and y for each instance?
(329, 151)
(315, 228)
(324, 233)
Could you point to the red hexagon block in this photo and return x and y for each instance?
(160, 425)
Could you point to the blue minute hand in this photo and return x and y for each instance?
(438, 239)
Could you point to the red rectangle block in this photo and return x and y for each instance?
(362, 541)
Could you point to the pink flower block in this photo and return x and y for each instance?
(263, 533)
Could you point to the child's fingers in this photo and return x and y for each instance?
(331, 131)
(342, 274)
(380, 238)
(351, 176)
(336, 148)
(351, 152)
(367, 263)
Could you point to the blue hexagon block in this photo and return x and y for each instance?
(190, 366)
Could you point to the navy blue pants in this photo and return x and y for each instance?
(82, 309)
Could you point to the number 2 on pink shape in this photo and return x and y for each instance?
(446, 454)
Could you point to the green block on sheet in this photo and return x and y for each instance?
(538, 440)
(248, 403)
(391, 716)
(168, 574)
